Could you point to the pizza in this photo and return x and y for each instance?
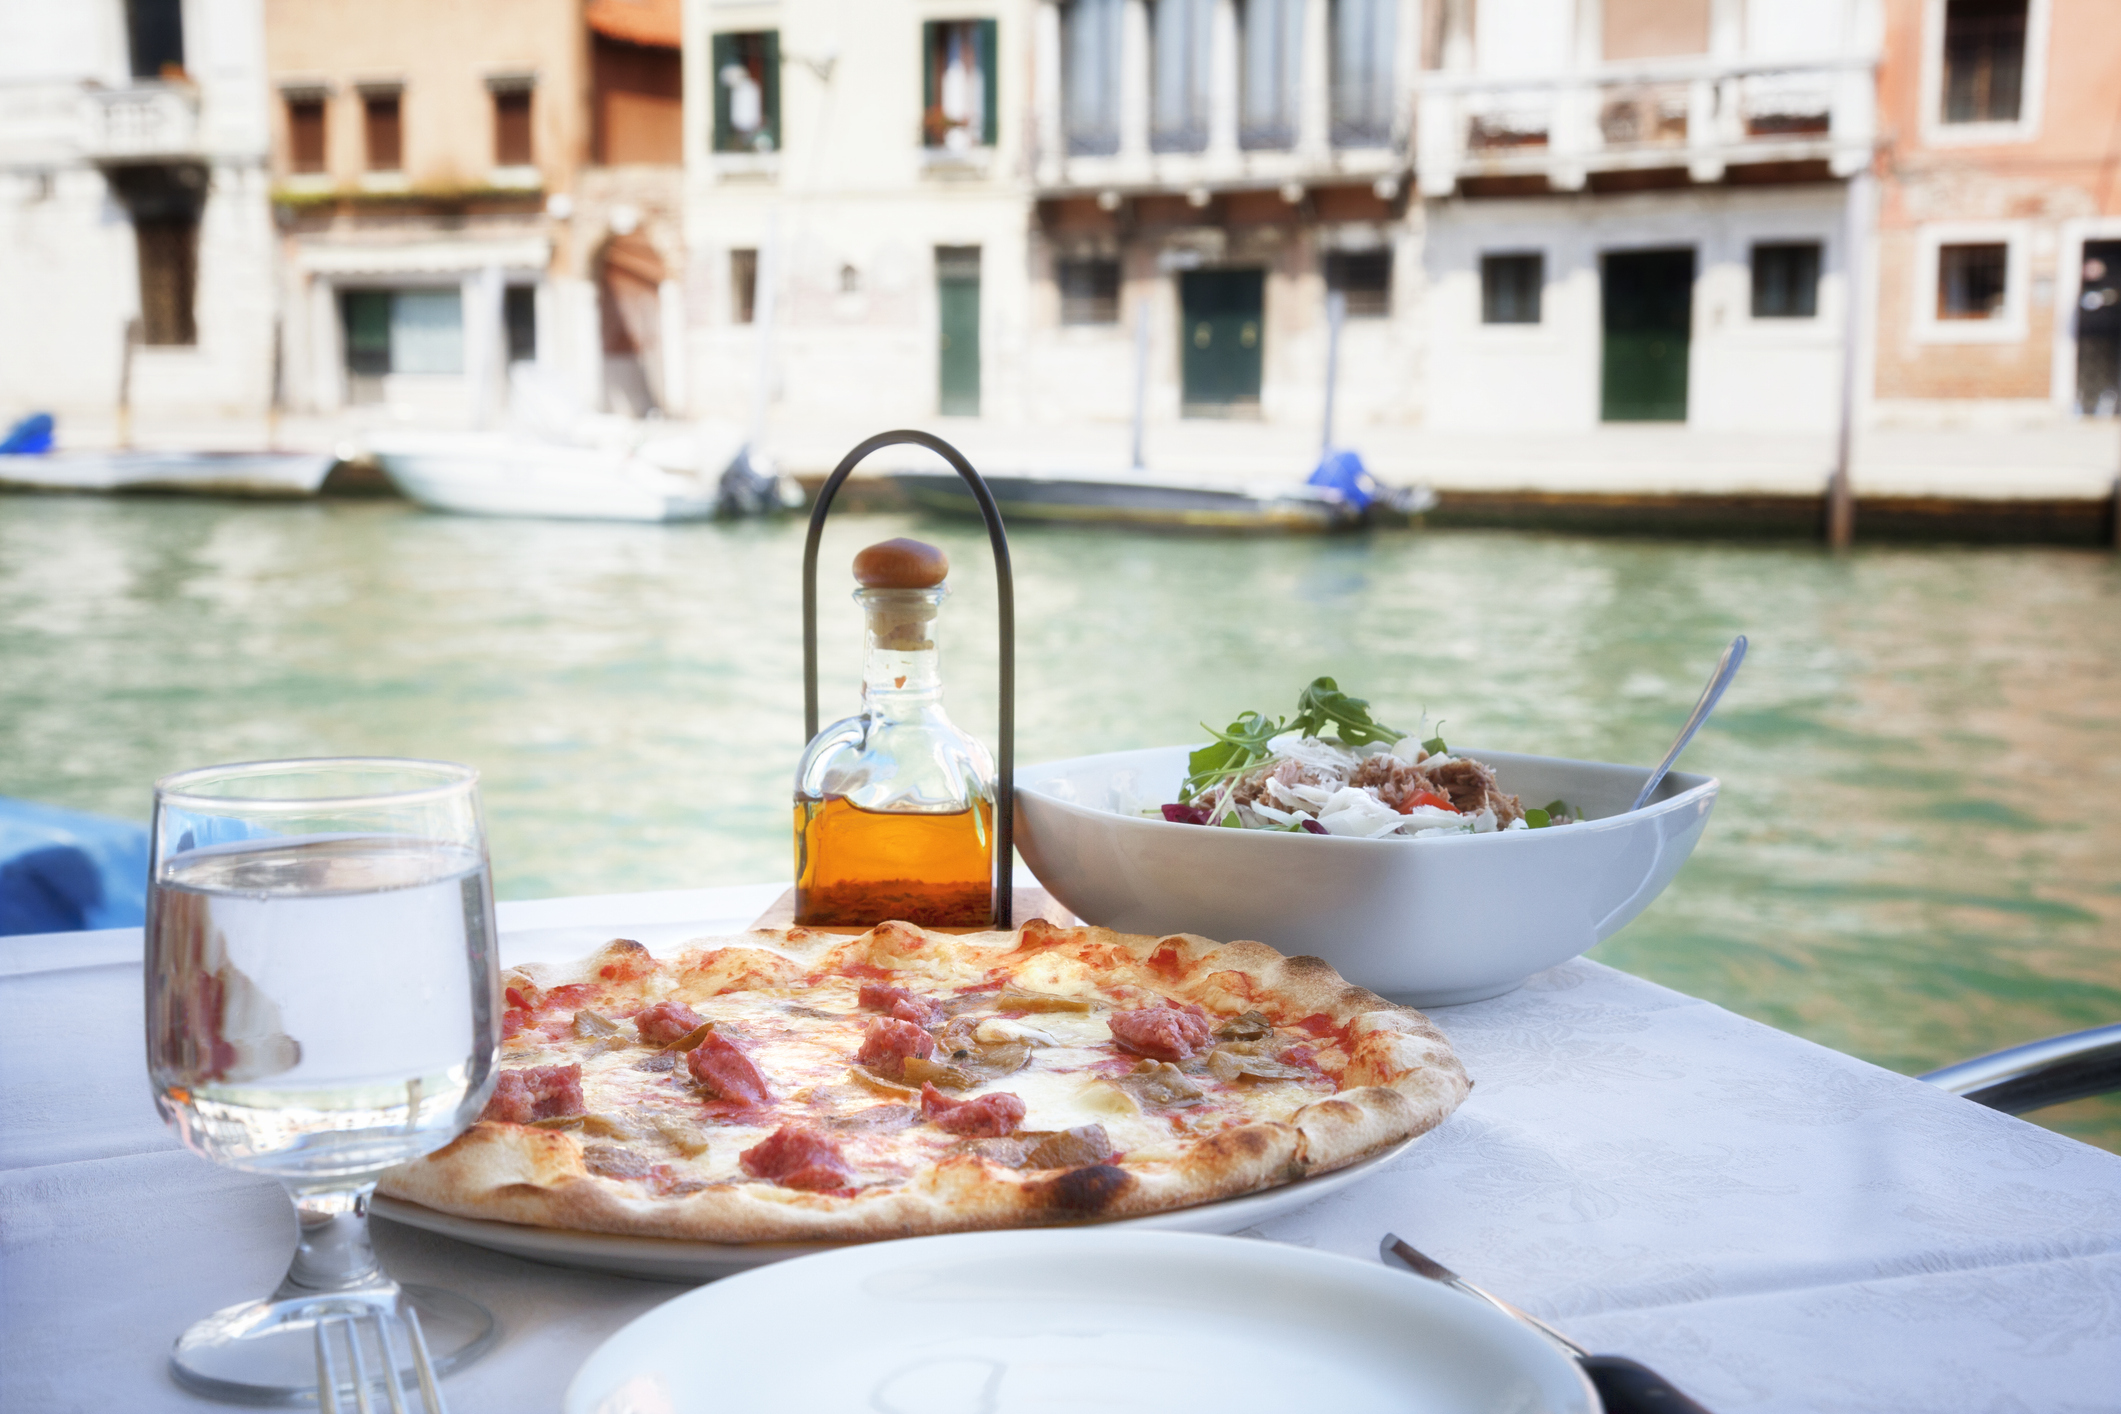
(799, 1085)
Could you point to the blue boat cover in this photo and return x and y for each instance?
(32, 434)
(1343, 471)
(64, 870)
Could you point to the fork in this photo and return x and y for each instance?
(378, 1323)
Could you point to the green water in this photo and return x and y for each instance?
(1916, 857)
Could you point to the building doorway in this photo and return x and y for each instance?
(630, 305)
(1648, 318)
(392, 332)
(2099, 330)
(957, 301)
(1221, 341)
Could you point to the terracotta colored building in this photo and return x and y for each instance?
(465, 187)
(1999, 222)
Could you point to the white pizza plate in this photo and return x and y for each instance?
(670, 1259)
(1106, 1319)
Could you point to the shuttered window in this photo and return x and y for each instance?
(958, 83)
(747, 91)
(383, 131)
(1363, 40)
(1182, 43)
(511, 127)
(1090, 76)
(305, 132)
(1272, 44)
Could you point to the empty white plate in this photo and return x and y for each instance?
(1047, 1321)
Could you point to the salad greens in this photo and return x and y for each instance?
(1243, 744)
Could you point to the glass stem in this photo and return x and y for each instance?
(333, 1253)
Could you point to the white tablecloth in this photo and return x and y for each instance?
(1772, 1225)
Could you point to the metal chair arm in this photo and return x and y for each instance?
(2039, 1073)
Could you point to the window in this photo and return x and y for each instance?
(305, 132)
(1984, 60)
(382, 132)
(154, 32)
(1182, 45)
(1364, 279)
(1972, 280)
(1363, 45)
(743, 285)
(957, 84)
(1090, 76)
(637, 103)
(169, 278)
(519, 316)
(1089, 290)
(403, 331)
(747, 92)
(511, 122)
(1786, 280)
(1510, 287)
(1271, 44)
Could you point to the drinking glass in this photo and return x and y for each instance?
(322, 1003)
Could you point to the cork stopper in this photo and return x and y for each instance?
(901, 564)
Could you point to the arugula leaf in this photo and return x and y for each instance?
(1559, 808)
(1537, 819)
(1434, 745)
(1323, 702)
(1236, 750)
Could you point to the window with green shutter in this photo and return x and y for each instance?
(747, 91)
(958, 107)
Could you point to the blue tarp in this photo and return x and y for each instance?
(1344, 472)
(31, 435)
(64, 870)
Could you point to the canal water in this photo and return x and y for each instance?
(1916, 856)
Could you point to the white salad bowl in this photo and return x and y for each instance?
(1428, 922)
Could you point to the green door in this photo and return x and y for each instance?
(957, 296)
(1221, 338)
(1649, 312)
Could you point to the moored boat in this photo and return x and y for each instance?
(497, 474)
(270, 474)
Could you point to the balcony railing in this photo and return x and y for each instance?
(144, 121)
(1705, 116)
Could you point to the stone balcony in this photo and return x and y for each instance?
(1703, 116)
(148, 121)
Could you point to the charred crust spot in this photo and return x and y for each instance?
(622, 947)
(1250, 1142)
(1304, 965)
(1090, 1189)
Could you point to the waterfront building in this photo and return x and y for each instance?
(1999, 229)
(470, 188)
(135, 239)
(1539, 214)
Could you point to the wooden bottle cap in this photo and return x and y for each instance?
(901, 564)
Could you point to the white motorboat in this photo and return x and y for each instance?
(201, 473)
(502, 474)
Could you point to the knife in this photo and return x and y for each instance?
(1624, 1386)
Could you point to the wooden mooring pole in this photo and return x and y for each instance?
(1840, 494)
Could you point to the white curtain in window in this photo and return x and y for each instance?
(1273, 44)
(427, 331)
(1363, 42)
(1090, 75)
(1184, 48)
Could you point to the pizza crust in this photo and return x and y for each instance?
(1398, 1079)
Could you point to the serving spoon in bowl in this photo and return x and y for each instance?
(1726, 669)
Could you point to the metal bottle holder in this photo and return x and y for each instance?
(1005, 596)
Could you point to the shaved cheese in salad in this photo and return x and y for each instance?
(1333, 770)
